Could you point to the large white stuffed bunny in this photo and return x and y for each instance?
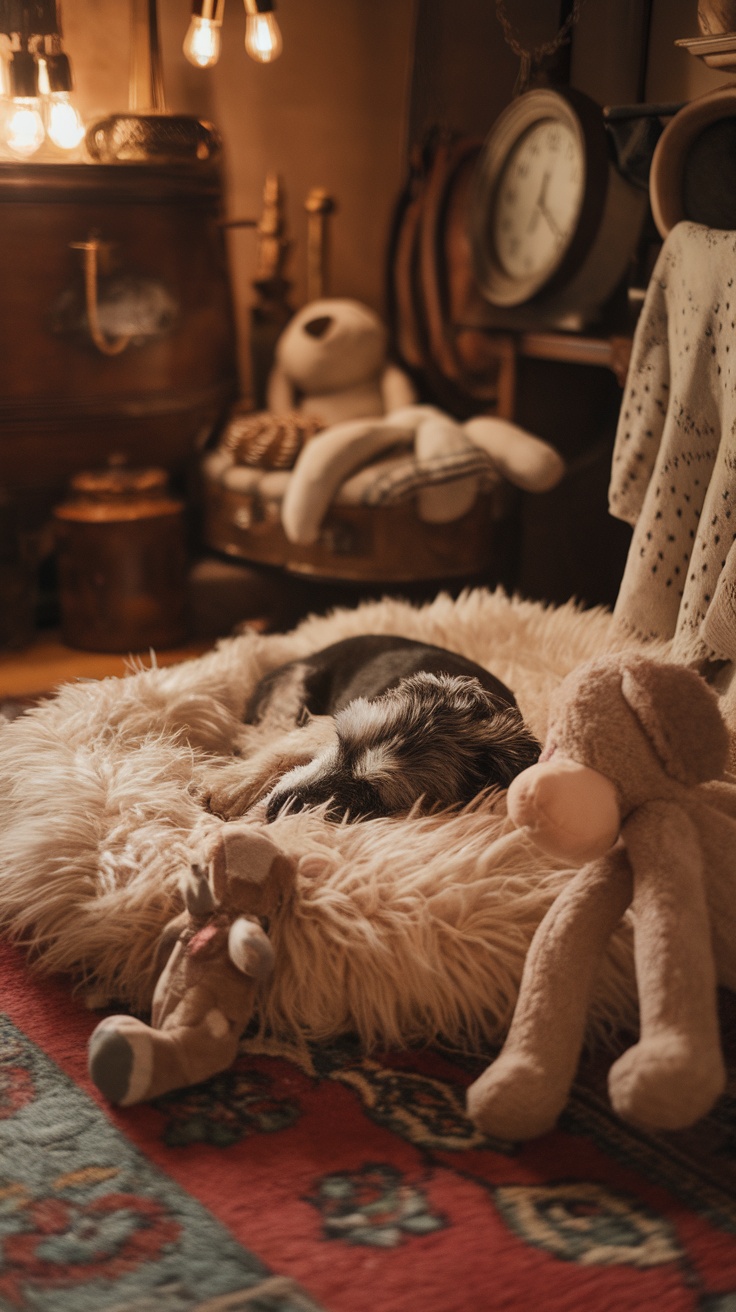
(331, 364)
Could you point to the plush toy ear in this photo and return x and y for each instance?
(679, 714)
(280, 394)
(197, 892)
(249, 948)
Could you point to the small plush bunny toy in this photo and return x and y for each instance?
(206, 992)
(629, 784)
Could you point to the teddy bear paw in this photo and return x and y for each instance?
(120, 1059)
(666, 1083)
(515, 1099)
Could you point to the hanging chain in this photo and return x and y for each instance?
(531, 59)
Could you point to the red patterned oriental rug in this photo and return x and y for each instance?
(346, 1184)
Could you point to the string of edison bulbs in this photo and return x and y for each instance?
(203, 39)
(36, 84)
(35, 80)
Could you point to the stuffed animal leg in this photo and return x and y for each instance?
(522, 1093)
(675, 1072)
(206, 992)
(438, 436)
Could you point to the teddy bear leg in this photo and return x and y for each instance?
(522, 1093)
(673, 1075)
(130, 1062)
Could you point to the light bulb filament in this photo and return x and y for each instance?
(24, 130)
(64, 123)
(263, 37)
(202, 42)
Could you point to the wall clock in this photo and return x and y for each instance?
(552, 222)
(693, 172)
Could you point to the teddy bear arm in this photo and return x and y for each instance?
(397, 388)
(523, 1092)
(325, 463)
(672, 1076)
(525, 460)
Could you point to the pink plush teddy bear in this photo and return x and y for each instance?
(629, 783)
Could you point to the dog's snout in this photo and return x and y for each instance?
(319, 326)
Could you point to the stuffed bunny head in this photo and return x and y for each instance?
(330, 345)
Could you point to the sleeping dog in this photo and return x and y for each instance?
(412, 723)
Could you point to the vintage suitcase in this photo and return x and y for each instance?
(362, 539)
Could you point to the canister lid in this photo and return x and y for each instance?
(119, 492)
(119, 481)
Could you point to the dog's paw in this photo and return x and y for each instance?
(228, 797)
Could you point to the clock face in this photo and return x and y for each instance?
(538, 199)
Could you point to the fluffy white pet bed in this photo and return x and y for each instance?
(403, 929)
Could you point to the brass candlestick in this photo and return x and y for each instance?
(318, 205)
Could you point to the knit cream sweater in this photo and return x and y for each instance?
(674, 463)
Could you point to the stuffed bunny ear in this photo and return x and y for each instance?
(679, 714)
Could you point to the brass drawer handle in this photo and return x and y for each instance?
(92, 250)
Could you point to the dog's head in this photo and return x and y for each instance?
(440, 739)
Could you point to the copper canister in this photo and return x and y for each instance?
(122, 561)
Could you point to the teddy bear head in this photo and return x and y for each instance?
(330, 345)
(623, 730)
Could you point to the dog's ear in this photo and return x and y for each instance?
(508, 746)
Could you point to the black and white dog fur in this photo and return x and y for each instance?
(410, 723)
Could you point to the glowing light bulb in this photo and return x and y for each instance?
(24, 130)
(263, 37)
(202, 42)
(64, 122)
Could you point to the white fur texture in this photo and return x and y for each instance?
(403, 929)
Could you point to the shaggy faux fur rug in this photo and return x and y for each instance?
(402, 930)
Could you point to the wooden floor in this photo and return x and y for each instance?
(48, 662)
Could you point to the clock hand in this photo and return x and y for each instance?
(540, 203)
(551, 220)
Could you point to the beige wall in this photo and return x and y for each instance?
(333, 111)
(673, 73)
